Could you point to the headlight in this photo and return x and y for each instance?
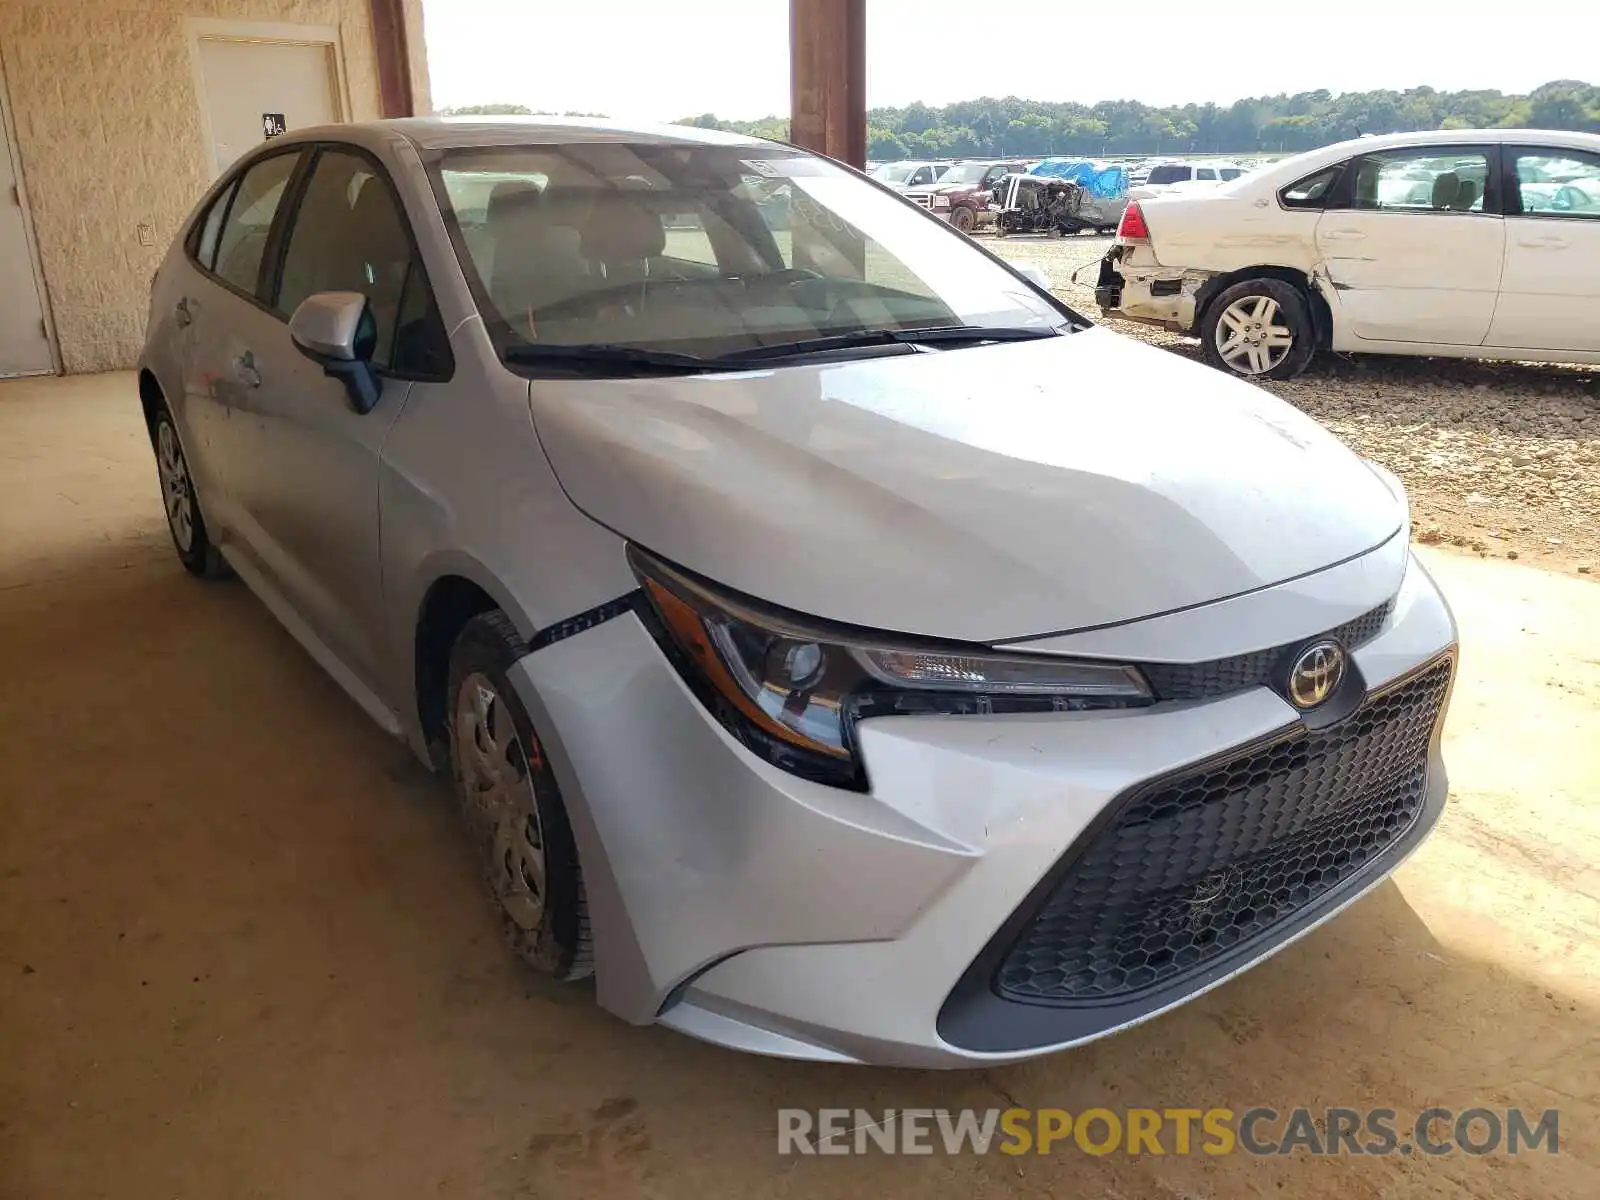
(941, 201)
(792, 688)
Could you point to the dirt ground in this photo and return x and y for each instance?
(1501, 459)
(241, 954)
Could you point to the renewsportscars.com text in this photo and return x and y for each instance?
(1155, 1131)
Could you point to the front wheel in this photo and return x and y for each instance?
(512, 806)
(962, 218)
(1260, 329)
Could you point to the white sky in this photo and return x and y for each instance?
(664, 59)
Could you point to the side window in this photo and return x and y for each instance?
(205, 244)
(1558, 183)
(248, 221)
(1229, 173)
(348, 236)
(1426, 179)
(1314, 191)
(923, 175)
(1205, 173)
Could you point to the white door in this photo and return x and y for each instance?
(1416, 258)
(24, 349)
(1550, 292)
(255, 88)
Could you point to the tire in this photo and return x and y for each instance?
(962, 218)
(512, 806)
(185, 522)
(1273, 319)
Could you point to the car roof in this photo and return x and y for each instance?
(1289, 169)
(443, 133)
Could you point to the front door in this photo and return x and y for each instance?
(24, 348)
(1416, 256)
(303, 464)
(1550, 293)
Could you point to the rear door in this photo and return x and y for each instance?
(1414, 251)
(222, 316)
(1550, 291)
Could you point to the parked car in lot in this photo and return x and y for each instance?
(1180, 176)
(904, 175)
(820, 659)
(1454, 243)
(963, 194)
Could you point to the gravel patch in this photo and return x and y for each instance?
(1501, 458)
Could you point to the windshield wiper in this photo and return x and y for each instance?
(604, 356)
(935, 336)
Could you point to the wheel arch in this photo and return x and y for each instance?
(152, 396)
(1321, 314)
(457, 590)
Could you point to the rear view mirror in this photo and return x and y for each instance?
(336, 330)
(1034, 274)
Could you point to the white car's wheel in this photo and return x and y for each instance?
(1260, 329)
(185, 522)
(512, 805)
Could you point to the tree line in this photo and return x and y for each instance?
(1282, 123)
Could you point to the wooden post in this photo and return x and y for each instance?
(394, 57)
(828, 78)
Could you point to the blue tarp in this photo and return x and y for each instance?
(1102, 180)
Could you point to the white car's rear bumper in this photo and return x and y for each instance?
(930, 921)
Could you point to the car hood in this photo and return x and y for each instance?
(981, 494)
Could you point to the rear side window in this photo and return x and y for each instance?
(1231, 172)
(205, 245)
(248, 221)
(1426, 179)
(1314, 191)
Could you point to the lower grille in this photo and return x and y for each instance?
(1194, 867)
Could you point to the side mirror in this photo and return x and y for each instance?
(336, 331)
(1034, 274)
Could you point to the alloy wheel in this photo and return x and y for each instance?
(1251, 336)
(500, 798)
(176, 492)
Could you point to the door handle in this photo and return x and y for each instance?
(1344, 235)
(245, 368)
(181, 314)
(1543, 243)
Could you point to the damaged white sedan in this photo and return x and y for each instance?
(1455, 243)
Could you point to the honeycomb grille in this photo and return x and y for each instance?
(1195, 681)
(1193, 867)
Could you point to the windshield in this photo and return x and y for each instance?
(708, 251)
(1170, 173)
(894, 172)
(965, 173)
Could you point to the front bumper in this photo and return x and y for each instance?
(744, 906)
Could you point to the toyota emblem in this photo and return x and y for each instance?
(1316, 674)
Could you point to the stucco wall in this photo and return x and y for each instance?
(107, 124)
